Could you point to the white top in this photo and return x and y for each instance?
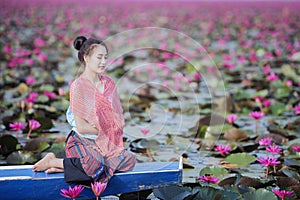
(71, 121)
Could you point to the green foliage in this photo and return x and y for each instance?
(21, 157)
(240, 159)
(261, 193)
(214, 170)
(278, 108)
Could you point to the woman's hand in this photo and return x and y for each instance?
(83, 126)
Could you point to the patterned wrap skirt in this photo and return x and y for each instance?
(84, 162)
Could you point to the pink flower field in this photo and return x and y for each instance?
(217, 82)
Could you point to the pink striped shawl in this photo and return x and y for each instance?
(102, 110)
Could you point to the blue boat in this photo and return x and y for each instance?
(20, 182)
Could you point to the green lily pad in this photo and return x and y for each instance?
(214, 170)
(291, 162)
(282, 92)
(42, 146)
(278, 108)
(47, 87)
(8, 144)
(291, 173)
(261, 93)
(241, 159)
(208, 193)
(241, 94)
(260, 194)
(21, 157)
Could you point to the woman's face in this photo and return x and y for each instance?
(97, 60)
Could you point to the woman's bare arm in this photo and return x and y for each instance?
(83, 126)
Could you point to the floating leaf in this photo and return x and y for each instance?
(261, 93)
(278, 108)
(8, 144)
(290, 173)
(208, 193)
(260, 194)
(291, 162)
(47, 87)
(43, 146)
(21, 157)
(171, 193)
(241, 159)
(213, 170)
(282, 92)
(242, 94)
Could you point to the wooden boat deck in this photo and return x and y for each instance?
(19, 182)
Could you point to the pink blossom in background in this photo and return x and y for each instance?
(36, 51)
(296, 148)
(268, 55)
(208, 179)
(39, 42)
(289, 83)
(223, 149)
(231, 118)
(17, 126)
(7, 49)
(60, 92)
(241, 59)
(42, 57)
(256, 115)
(30, 62)
(266, 69)
(265, 141)
(283, 193)
(50, 95)
(197, 76)
(278, 52)
(229, 66)
(72, 193)
(267, 103)
(145, 131)
(272, 77)
(297, 109)
(274, 149)
(33, 124)
(30, 80)
(32, 97)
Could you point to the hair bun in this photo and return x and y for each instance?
(78, 42)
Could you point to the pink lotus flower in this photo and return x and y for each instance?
(50, 95)
(197, 76)
(267, 103)
(223, 149)
(17, 126)
(296, 148)
(30, 80)
(145, 131)
(72, 193)
(231, 118)
(60, 92)
(283, 193)
(32, 97)
(266, 69)
(265, 141)
(272, 77)
(256, 115)
(268, 161)
(39, 42)
(7, 49)
(42, 57)
(289, 83)
(208, 179)
(33, 124)
(273, 149)
(98, 188)
(297, 109)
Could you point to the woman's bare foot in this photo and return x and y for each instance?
(44, 163)
(54, 170)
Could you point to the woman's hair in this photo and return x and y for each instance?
(85, 46)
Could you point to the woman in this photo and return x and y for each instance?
(94, 148)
